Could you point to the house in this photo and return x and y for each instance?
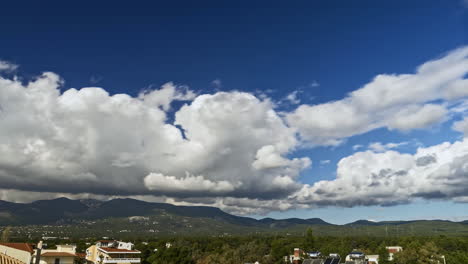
(57, 258)
(4, 259)
(357, 257)
(113, 252)
(373, 259)
(63, 254)
(16, 253)
(297, 257)
(105, 243)
(392, 250)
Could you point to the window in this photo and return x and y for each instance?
(57, 261)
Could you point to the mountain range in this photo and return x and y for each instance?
(133, 216)
(61, 210)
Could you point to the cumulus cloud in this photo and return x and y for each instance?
(241, 138)
(398, 102)
(189, 183)
(414, 117)
(369, 178)
(461, 126)
(233, 149)
(165, 95)
(87, 140)
(7, 66)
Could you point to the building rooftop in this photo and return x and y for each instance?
(58, 254)
(20, 246)
(117, 250)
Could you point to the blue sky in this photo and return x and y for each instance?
(320, 50)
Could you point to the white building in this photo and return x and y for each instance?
(113, 252)
(373, 259)
(16, 253)
(63, 254)
(392, 250)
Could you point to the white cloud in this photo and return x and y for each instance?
(164, 96)
(187, 184)
(292, 98)
(460, 107)
(379, 147)
(461, 126)
(369, 178)
(7, 66)
(401, 102)
(230, 149)
(357, 146)
(242, 138)
(89, 141)
(324, 162)
(414, 116)
(364, 178)
(268, 158)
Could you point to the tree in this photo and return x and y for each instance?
(278, 249)
(6, 234)
(383, 254)
(309, 241)
(429, 253)
(409, 255)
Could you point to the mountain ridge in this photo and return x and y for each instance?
(64, 210)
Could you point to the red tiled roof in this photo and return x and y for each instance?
(20, 246)
(58, 254)
(81, 255)
(115, 250)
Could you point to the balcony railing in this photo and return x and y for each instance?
(122, 260)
